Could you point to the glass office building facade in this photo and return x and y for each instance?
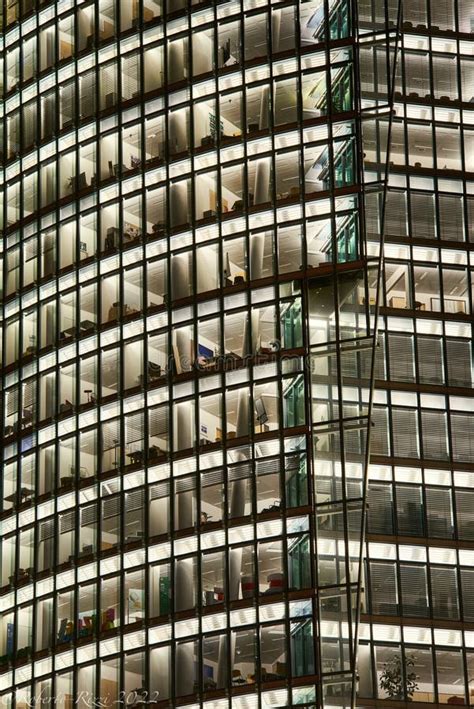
(236, 390)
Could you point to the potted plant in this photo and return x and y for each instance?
(399, 681)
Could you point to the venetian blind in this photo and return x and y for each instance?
(379, 433)
(444, 593)
(435, 435)
(439, 513)
(380, 517)
(422, 216)
(409, 510)
(467, 586)
(158, 422)
(464, 514)
(451, 218)
(402, 357)
(414, 590)
(383, 587)
(396, 216)
(430, 360)
(459, 362)
(462, 437)
(405, 433)
(134, 428)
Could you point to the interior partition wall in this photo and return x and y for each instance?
(226, 354)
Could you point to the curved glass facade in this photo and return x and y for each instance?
(194, 195)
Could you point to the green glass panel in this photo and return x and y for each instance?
(164, 595)
(344, 165)
(302, 649)
(347, 241)
(297, 485)
(341, 90)
(292, 326)
(299, 564)
(339, 21)
(294, 410)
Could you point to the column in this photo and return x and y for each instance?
(257, 247)
(184, 426)
(180, 278)
(262, 181)
(184, 589)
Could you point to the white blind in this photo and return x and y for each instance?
(430, 360)
(158, 421)
(405, 433)
(464, 513)
(379, 433)
(270, 465)
(184, 484)
(422, 216)
(462, 437)
(396, 220)
(88, 515)
(111, 507)
(46, 530)
(67, 522)
(380, 500)
(212, 477)
(459, 362)
(134, 428)
(402, 357)
(29, 390)
(12, 401)
(467, 586)
(379, 360)
(444, 593)
(159, 491)
(87, 85)
(451, 218)
(435, 436)
(134, 500)
(414, 590)
(409, 510)
(238, 472)
(383, 587)
(442, 14)
(417, 71)
(439, 512)
(110, 435)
